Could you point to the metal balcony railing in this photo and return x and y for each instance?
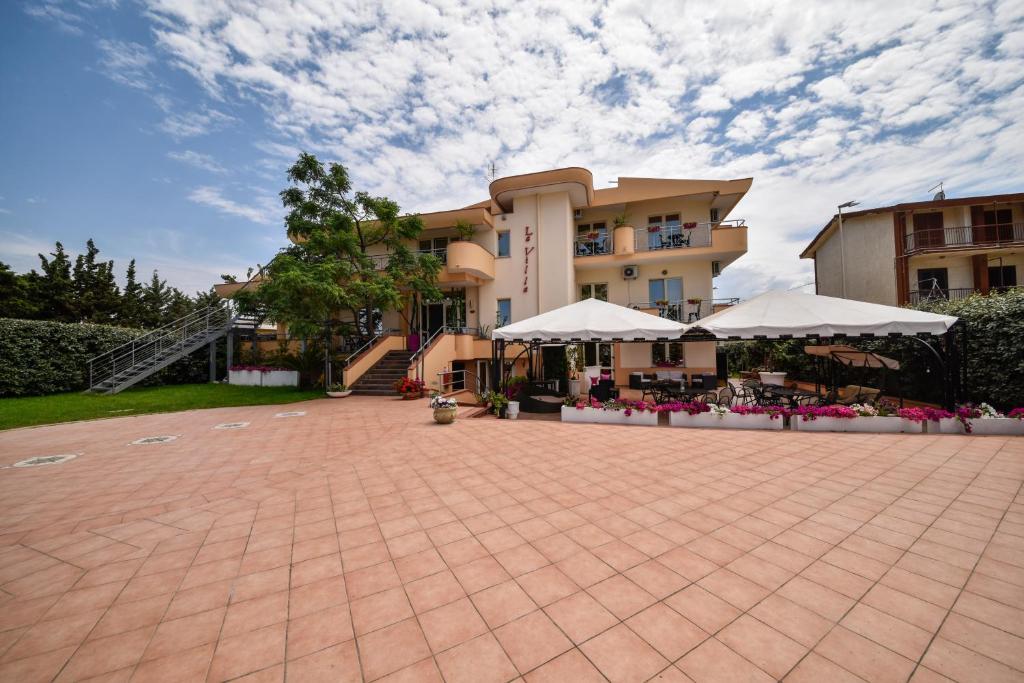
(949, 293)
(993, 235)
(594, 244)
(686, 310)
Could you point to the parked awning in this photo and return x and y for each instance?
(591, 320)
(775, 315)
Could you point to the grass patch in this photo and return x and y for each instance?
(40, 410)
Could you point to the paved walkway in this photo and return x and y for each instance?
(362, 542)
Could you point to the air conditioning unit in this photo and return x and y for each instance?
(577, 213)
(630, 272)
(716, 268)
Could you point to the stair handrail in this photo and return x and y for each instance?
(354, 356)
(427, 344)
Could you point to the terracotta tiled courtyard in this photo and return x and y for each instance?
(360, 541)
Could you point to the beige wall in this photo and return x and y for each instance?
(959, 268)
(555, 250)
(696, 276)
(638, 212)
(870, 260)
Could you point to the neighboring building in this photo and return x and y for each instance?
(906, 253)
(544, 240)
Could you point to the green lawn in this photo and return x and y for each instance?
(39, 410)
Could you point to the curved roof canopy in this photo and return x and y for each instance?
(795, 314)
(591, 320)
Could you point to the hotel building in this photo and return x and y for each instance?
(544, 240)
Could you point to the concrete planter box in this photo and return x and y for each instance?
(608, 417)
(868, 425)
(774, 378)
(989, 426)
(727, 421)
(255, 378)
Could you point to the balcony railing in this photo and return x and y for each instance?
(594, 244)
(687, 310)
(380, 261)
(949, 294)
(993, 235)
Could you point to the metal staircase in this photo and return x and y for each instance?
(133, 362)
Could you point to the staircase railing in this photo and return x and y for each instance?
(156, 345)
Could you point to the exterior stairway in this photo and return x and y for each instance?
(133, 362)
(380, 379)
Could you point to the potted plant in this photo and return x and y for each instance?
(409, 388)
(768, 375)
(616, 411)
(703, 415)
(444, 409)
(661, 302)
(983, 419)
(338, 390)
(498, 403)
(572, 360)
(621, 220)
(695, 301)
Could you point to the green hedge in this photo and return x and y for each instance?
(994, 360)
(42, 357)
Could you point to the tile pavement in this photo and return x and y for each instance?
(361, 542)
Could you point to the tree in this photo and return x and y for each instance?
(16, 295)
(155, 298)
(55, 287)
(130, 309)
(351, 254)
(97, 298)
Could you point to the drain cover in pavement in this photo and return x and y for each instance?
(232, 425)
(294, 413)
(153, 439)
(45, 460)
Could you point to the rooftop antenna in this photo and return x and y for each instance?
(492, 171)
(940, 195)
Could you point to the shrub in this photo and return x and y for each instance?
(44, 357)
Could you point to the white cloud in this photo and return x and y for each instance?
(198, 160)
(262, 210)
(126, 63)
(54, 12)
(823, 101)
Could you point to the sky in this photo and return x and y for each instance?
(163, 128)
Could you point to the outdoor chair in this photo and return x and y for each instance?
(726, 395)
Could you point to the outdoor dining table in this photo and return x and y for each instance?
(790, 396)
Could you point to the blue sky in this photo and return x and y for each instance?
(162, 128)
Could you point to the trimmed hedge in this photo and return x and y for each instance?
(43, 357)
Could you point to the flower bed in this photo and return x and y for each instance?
(855, 418)
(262, 376)
(407, 387)
(613, 412)
(982, 420)
(702, 415)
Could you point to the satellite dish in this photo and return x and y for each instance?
(940, 195)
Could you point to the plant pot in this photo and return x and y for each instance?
(513, 410)
(614, 417)
(574, 387)
(500, 412)
(339, 394)
(864, 425)
(444, 416)
(727, 421)
(772, 378)
(980, 426)
(408, 396)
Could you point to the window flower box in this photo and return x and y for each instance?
(653, 228)
(869, 425)
(983, 426)
(712, 420)
(262, 376)
(608, 416)
(689, 226)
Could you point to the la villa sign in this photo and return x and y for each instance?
(527, 249)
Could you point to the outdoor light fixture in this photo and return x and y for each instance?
(842, 247)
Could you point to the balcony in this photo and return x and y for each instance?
(918, 296)
(724, 241)
(683, 311)
(964, 237)
(464, 262)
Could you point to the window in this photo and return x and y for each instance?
(664, 353)
(663, 232)
(665, 289)
(437, 246)
(592, 238)
(504, 244)
(999, 225)
(597, 354)
(928, 230)
(932, 279)
(713, 217)
(598, 290)
(504, 312)
(1000, 277)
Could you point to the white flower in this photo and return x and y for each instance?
(719, 411)
(988, 411)
(442, 402)
(864, 410)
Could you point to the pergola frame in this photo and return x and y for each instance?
(949, 352)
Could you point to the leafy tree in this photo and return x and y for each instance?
(55, 287)
(96, 294)
(130, 309)
(351, 254)
(16, 295)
